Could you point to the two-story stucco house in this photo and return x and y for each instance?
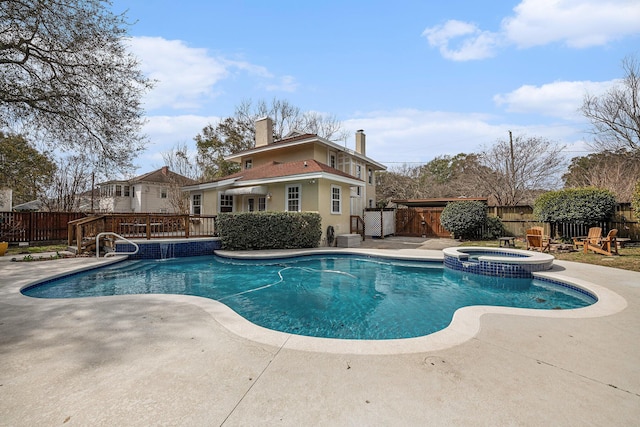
(148, 193)
(302, 172)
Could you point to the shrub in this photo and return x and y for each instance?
(576, 205)
(464, 218)
(495, 228)
(269, 230)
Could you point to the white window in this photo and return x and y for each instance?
(336, 205)
(248, 164)
(293, 198)
(262, 204)
(370, 176)
(126, 191)
(371, 203)
(163, 193)
(226, 203)
(118, 190)
(358, 171)
(332, 159)
(196, 204)
(251, 204)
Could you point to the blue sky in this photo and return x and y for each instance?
(422, 78)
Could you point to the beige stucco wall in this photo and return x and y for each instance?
(286, 155)
(340, 222)
(315, 197)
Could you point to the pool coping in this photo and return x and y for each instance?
(523, 257)
(465, 325)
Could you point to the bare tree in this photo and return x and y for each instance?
(178, 160)
(614, 171)
(286, 118)
(71, 180)
(67, 78)
(615, 116)
(513, 169)
(233, 134)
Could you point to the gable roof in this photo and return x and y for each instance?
(277, 172)
(158, 176)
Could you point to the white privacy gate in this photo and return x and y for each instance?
(379, 222)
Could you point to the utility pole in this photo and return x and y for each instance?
(513, 169)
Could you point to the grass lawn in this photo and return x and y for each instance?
(23, 250)
(629, 258)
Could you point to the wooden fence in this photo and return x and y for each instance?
(18, 227)
(40, 227)
(517, 219)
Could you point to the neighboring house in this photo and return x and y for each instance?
(302, 172)
(153, 192)
(32, 206)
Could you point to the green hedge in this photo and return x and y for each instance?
(576, 205)
(464, 218)
(269, 230)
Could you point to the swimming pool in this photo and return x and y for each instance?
(347, 297)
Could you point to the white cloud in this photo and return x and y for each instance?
(418, 136)
(185, 76)
(286, 84)
(558, 99)
(188, 77)
(415, 136)
(165, 132)
(475, 44)
(576, 23)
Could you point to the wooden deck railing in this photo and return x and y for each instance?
(82, 232)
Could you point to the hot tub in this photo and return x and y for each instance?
(498, 262)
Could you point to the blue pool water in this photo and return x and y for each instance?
(337, 297)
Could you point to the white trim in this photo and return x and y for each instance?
(286, 197)
(339, 212)
(211, 185)
(233, 202)
(199, 194)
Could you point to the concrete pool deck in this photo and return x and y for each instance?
(165, 360)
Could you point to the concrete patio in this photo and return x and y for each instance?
(168, 360)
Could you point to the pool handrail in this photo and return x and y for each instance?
(114, 253)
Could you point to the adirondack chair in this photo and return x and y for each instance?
(593, 236)
(605, 246)
(536, 240)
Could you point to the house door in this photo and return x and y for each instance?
(253, 204)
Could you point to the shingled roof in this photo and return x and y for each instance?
(159, 176)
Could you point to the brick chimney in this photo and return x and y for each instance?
(361, 144)
(165, 170)
(264, 132)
